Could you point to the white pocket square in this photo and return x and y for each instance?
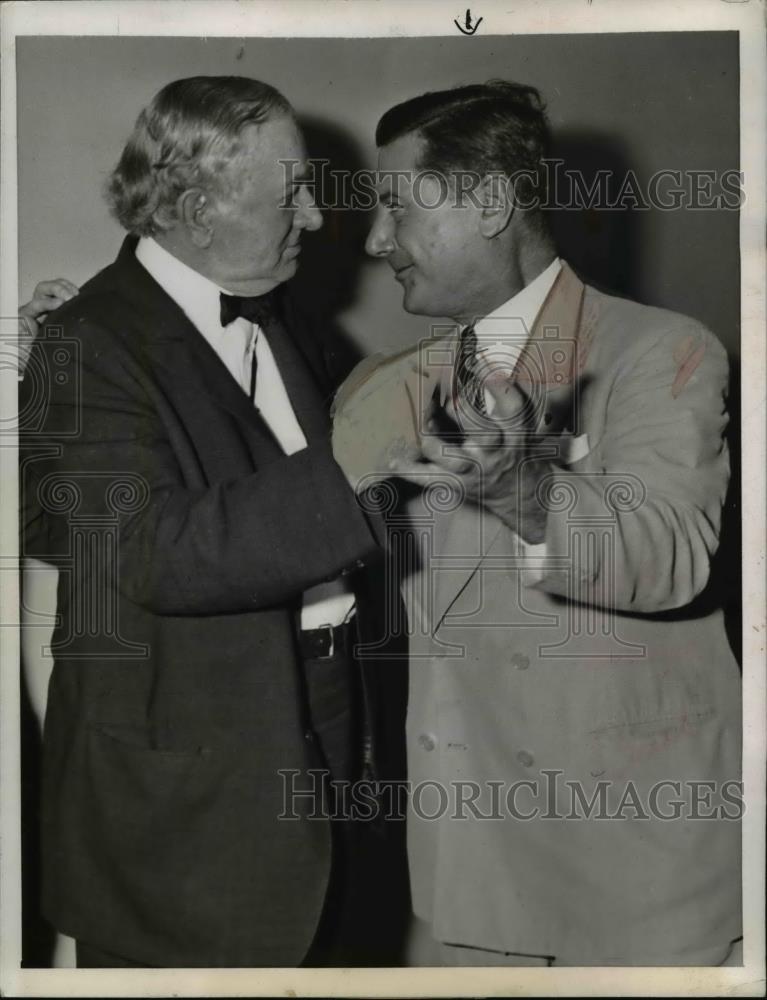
(575, 448)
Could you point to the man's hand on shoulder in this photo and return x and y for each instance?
(47, 297)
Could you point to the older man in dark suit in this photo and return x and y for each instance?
(206, 538)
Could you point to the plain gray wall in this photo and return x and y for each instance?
(643, 102)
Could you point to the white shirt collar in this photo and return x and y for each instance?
(510, 325)
(195, 294)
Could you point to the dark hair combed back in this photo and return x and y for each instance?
(184, 138)
(485, 128)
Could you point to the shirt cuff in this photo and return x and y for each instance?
(534, 562)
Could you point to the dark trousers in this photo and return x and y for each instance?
(367, 906)
(334, 693)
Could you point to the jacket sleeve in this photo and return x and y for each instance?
(636, 532)
(186, 547)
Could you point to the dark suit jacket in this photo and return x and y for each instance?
(184, 538)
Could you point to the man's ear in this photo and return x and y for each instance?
(497, 201)
(193, 210)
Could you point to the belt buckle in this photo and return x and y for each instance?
(331, 640)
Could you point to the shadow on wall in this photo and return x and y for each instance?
(327, 281)
(600, 245)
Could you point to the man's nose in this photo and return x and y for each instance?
(380, 241)
(308, 216)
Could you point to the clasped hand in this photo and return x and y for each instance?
(493, 456)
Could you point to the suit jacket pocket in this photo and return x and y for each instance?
(140, 833)
(681, 746)
(133, 792)
(139, 738)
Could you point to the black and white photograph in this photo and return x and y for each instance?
(382, 528)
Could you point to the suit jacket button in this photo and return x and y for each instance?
(427, 741)
(309, 735)
(525, 759)
(358, 565)
(520, 662)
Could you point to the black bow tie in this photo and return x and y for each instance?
(258, 309)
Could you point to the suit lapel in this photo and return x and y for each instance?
(302, 389)
(190, 365)
(176, 348)
(553, 358)
(548, 370)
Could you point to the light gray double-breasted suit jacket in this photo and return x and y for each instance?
(571, 703)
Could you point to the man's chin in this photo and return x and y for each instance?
(415, 300)
(411, 304)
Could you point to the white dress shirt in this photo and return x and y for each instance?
(327, 603)
(501, 336)
(503, 333)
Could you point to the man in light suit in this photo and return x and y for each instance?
(567, 449)
(206, 540)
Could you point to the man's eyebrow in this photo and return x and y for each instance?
(302, 175)
(386, 191)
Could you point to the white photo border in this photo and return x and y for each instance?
(367, 18)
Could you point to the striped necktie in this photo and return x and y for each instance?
(468, 381)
